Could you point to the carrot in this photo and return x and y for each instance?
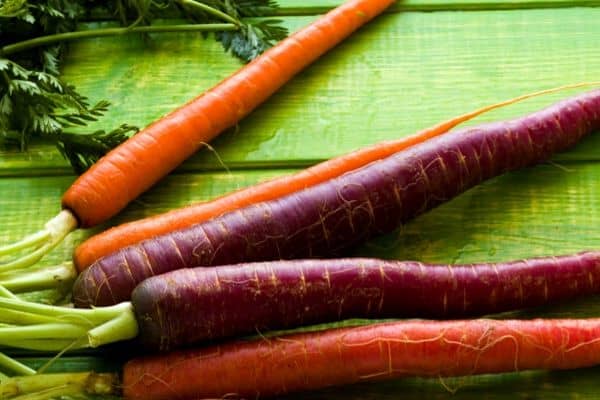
(134, 166)
(195, 305)
(331, 217)
(127, 234)
(191, 306)
(274, 366)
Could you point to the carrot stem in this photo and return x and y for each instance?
(47, 345)
(46, 278)
(96, 33)
(9, 364)
(10, 316)
(123, 327)
(62, 391)
(52, 328)
(73, 383)
(4, 292)
(27, 242)
(209, 10)
(43, 331)
(91, 317)
(53, 234)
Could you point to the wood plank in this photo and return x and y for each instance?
(299, 7)
(401, 73)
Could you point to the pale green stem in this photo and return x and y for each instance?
(10, 316)
(95, 33)
(37, 385)
(47, 345)
(11, 365)
(58, 227)
(58, 392)
(93, 316)
(48, 296)
(46, 278)
(62, 328)
(29, 259)
(43, 331)
(209, 10)
(4, 292)
(124, 327)
(27, 242)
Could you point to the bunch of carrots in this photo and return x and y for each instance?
(148, 280)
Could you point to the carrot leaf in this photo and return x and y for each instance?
(36, 103)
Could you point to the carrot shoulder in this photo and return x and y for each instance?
(137, 164)
(130, 233)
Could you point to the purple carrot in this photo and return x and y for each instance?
(194, 305)
(327, 219)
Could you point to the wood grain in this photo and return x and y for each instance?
(403, 72)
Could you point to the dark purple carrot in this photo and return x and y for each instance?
(195, 305)
(329, 218)
(190, 306)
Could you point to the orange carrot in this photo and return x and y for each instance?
(130, 169)
(271, 367)
(134, 166)
(127, 234)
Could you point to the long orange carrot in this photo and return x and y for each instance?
(271, 367)
(137, 164)
(136, 231)
(131, 168)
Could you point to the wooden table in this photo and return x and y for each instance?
(423, 61)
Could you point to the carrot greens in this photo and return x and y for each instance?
(50, 328)
(35, 102)
(53, 386)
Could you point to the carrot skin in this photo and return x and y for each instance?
(329, 218)
(134, 166)
(275, 366)
(188, 306)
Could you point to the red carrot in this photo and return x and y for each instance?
(115, 180)
(274, 366)
(195, 305)
(127, 234)
(329, 218)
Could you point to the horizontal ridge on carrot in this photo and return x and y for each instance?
(115, 180)
(194, 305)
(127, 234)
(275, 366)
(331, 217)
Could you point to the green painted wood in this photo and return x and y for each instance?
(401, 73)
(311, 7)
(299, 7)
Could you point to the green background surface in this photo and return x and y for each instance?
(421, 62)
